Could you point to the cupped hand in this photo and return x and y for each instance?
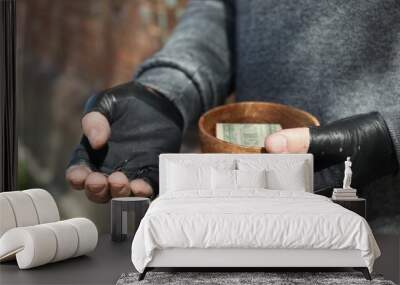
(124, 130)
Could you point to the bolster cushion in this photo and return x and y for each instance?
(40, 244)
(26, 208)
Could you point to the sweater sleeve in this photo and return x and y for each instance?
(391, 116)
(194, 68)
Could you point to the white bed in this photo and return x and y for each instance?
(215, 224)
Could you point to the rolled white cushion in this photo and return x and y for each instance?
(33, 246)
(67, 239)
(87, 234)
(41, 244)
(23, 208)
(46, 207)
(7, 218)
(26, 208)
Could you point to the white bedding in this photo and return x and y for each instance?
(251, 218)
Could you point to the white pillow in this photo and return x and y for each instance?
(203, 161)
(182, 177)
(251, 178)
(223, 179)
(292, 178)
(282, 174)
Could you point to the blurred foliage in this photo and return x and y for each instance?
(25, 180)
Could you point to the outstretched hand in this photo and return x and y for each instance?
(124, 130)
(365, 138)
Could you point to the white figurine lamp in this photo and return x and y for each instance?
(348, 173)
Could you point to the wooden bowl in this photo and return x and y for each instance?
(248, 112)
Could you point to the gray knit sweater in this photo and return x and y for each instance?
(331, 58)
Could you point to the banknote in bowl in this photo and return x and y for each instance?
(249, 134)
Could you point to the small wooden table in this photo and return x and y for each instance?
(119, 215)
(357, 205)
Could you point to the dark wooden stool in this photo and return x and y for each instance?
(119, 215)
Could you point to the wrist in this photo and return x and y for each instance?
(365, 138)
(161, 103)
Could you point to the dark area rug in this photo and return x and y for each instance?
(229, 278)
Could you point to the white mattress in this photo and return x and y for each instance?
(252, 218)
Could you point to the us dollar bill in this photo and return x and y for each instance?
(246, 134)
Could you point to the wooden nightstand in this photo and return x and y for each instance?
(357, 205)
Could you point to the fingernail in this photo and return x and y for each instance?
(96, 187)
(278, 144)
(117, 187)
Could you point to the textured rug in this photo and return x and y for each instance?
(232, 278)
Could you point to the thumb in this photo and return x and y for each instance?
(96, 128)
(296, 140)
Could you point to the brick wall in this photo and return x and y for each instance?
(68, 49)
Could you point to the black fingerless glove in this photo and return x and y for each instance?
(143, 125)
(365, 138)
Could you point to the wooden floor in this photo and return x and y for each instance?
(110, 260)
(389, 262)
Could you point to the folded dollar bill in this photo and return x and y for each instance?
(246, 134)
